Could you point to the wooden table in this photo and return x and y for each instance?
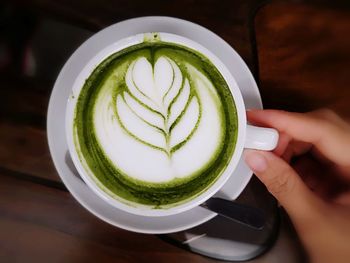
(298, 52)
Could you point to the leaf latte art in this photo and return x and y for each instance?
(155, 124)
(156, 102)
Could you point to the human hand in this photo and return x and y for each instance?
(316, 191)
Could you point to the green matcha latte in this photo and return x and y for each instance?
(155, 124)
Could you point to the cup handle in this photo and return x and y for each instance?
(260, 138)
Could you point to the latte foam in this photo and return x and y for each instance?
(160, 127)
(155, 124)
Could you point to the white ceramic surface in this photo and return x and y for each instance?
(56, 121)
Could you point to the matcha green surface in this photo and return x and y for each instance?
(110, 74)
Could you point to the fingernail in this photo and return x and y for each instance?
(256, 161)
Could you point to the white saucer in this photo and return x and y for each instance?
(56, 116)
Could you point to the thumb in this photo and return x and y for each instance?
(285, 185)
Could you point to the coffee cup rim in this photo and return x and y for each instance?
(137, 208)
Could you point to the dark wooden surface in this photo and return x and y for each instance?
(304, 56)
(303, 59)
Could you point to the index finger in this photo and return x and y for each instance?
(328, 137)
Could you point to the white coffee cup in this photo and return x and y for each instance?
(247, 137)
